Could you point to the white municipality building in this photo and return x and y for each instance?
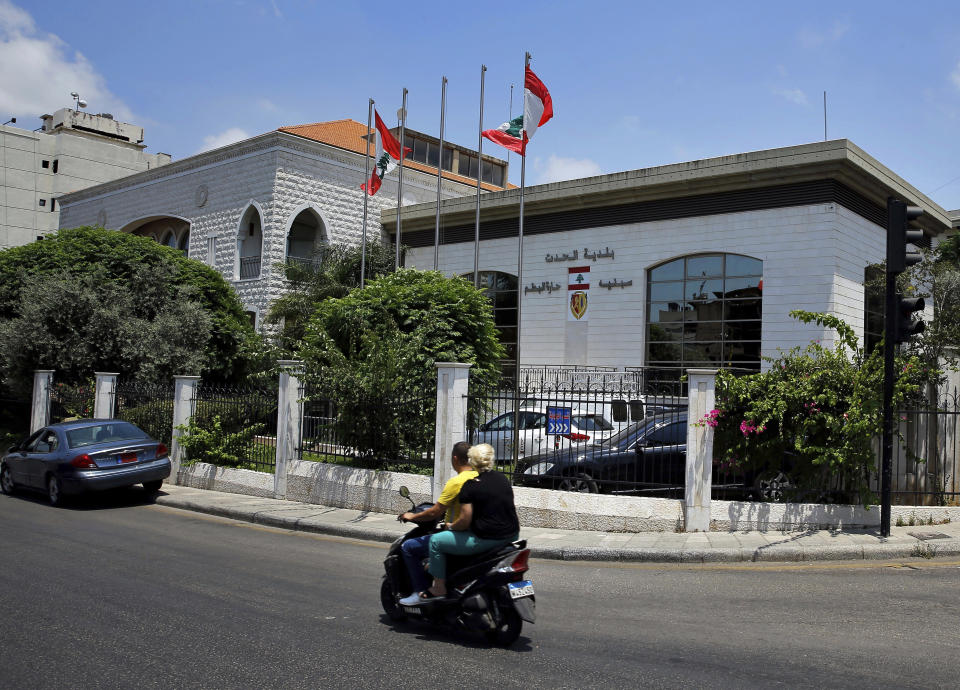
(690, 265)
(277, 197)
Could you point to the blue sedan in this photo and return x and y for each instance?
(85, 455)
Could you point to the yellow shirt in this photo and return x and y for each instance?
(450, 496)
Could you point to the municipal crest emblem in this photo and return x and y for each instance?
(578, 304)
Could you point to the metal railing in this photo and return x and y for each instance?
(304, 262)
(149, 406)
(385, 433)
(233, 427)
(69, 401)
(591, 430)
(249, 267)
(926, 454)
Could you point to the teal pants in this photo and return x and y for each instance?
(459, 544)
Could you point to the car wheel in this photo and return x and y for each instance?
(772, 486)
(580, 482)
(153, 487)
(54, 491)
(6, 480)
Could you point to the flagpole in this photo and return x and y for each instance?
(509, 119)
(403, 123)
(523, 174)
(476, 231)
(436, 232)
(366, 193)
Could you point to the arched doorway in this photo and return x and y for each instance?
(167, 230)
(306, 238)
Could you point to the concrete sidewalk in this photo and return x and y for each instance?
(922, 541)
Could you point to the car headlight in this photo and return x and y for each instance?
(539, 468)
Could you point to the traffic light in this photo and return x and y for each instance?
(906, 326)
(899, 234)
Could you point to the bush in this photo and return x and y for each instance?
(212, 444)
(814, 416)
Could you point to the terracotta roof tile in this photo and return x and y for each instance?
(349, 135)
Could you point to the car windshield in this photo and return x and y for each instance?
(103, 433)
(622, 436)
(591, 422)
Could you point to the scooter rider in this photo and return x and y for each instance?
(448, 504)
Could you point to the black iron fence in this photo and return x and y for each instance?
(395, 433)
(148, 405)
(71, 401)
(233, 427)
(592, 430)
(249, 267)
(926, 454)
(14, 418)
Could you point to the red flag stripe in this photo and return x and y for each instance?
(533, 84)
(498, 136)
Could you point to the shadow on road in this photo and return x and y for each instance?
(111, 499)
(429, 632)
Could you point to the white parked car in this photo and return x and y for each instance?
(585, 427)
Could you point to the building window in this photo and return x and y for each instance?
(873, 305)
(43, 202)
(56, 165)
(44, 164)
(53, 204)
(211, 251)
(705, 310)
(252, 317)
(501, 290)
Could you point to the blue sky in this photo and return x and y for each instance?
(634, 84)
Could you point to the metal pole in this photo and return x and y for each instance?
(510, 119)
(403, 123)
(476, 230)
(889, 346)
(436, 232)
(516, 374)
(824, 115)
(366, 193)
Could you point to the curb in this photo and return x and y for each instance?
(792, 554)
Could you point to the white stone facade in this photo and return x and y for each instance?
(279, 174)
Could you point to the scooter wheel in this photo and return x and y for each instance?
(509, 629)
(389, 602)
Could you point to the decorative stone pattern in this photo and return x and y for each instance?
(282, 174)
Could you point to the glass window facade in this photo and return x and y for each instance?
(501, 290)
(705, 310)
(873, 298)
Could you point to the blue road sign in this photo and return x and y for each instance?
(558, 420)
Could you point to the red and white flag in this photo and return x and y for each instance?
(537, 110)
(388, 152)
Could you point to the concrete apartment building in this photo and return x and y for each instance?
(277, 197)
(71, 150)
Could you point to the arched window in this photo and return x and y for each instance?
(501, 290)
(306, 238)
(184, 244)
(704, 310)
(249, 244)
(170, 239)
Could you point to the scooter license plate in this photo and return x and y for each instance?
(519, 590)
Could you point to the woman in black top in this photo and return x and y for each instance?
(488, 519)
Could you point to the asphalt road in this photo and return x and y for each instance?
(120, 593)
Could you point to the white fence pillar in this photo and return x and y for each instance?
(701, 393)
(289, 421)
(452, 384)
(184, 405)
(104, 396)
(40, 405)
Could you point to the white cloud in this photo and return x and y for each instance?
(276, 10)
(230, 136)
(557, 168)
(40, 70)
(955, 76)
(814, 38)
(793, 95)
(266, 105)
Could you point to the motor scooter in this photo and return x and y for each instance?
(486, 592)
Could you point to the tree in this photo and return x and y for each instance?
(377, 346)
(334, 274)
(937, 279)
(90, 299)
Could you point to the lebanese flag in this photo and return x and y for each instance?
(537, 110)
(578, 278)
(388, 151)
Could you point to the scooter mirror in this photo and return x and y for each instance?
(405, 492)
